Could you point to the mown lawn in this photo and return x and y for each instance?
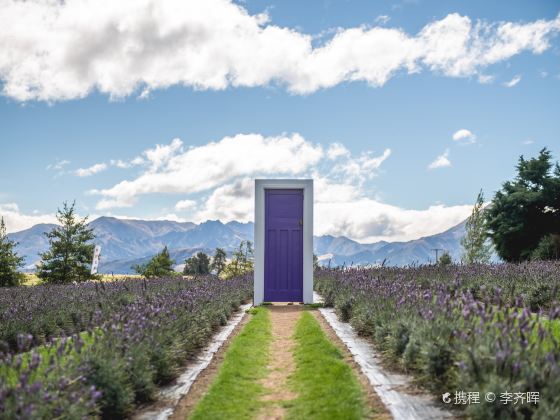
(236, 391)
(326, 385)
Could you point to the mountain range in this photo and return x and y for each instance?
(125, 243)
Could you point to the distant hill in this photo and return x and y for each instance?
(417, 251)
(125, 243)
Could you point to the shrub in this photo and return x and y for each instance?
(470, 327)
(130, 345)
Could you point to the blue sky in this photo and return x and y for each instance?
(363, 96)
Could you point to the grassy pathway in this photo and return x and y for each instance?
(283, 366)
(278, 393)
(326, 385)
(236, 391)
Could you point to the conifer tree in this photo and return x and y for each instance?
(197, 264)
(71, 251)
(161, 265)
(445, 259)
(9, 260)
(219, 261)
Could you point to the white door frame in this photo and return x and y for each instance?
(298, 184)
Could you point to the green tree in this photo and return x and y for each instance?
(161, 265)
(315, 261)
(197, 264)
(526, 211)
(445, 259)
(219, 261)
(241, 262)
(476, 246)
(548, 248)
(71, 251)
(9, 260)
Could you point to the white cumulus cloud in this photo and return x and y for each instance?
(464, 135)
(513, 82)
(93, 169)
(221, 176)
(185, 205)
(340, 209)
(61, 50)
(337, 150)
(175, 170)
(441, 161)
(16, 220)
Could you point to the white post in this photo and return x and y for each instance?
(95, 262)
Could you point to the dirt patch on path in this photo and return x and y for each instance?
(372, 399)
(283, 320)
(206, 378)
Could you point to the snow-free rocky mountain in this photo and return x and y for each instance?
(125, 243)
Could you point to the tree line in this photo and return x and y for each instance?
(162, 265)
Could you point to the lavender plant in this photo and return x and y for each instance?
(136, 334)
(485, 328)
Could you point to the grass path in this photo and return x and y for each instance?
(236, 391)
(278, 393)
(326, 385)
(286, 364)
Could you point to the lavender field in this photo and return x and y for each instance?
(462, 330)
(98, 349)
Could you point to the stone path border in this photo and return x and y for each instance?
(391, 387)
(170, 395)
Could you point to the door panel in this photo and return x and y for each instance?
(283, 279)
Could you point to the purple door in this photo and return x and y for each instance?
(283, 253)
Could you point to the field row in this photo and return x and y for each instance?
(99, 348)
(470, 328)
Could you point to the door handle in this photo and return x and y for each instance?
(301, 222)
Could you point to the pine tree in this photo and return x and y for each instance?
(476, 246)
(445, 259)
(161, 265)
(197, 264)
(9, 260)
(71, 250)
(219, 261)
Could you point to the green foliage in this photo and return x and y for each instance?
(325, 384)
(461, 327)
(218, 261)
(109, 374)
(476, 249)
(161, 265)
(445, 259)
(197, 264)
(315, 261)
(548, 248)
(71, 251)
(236, 390)
(526, 210)
(123, 356)
(9, 260)
(241, 262)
